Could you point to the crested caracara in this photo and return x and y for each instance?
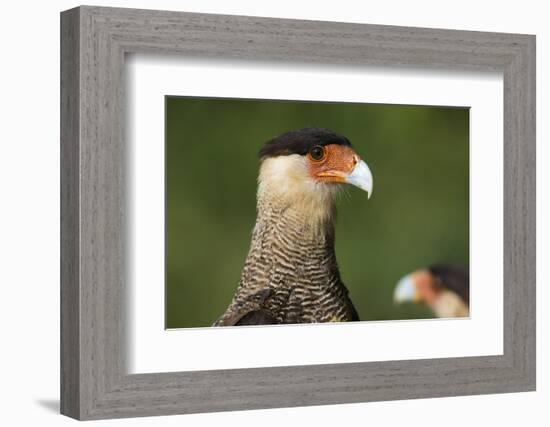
(290, 274)
(444, 288)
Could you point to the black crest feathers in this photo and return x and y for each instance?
(300, 141)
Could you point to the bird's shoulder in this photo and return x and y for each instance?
(252, 308)
(257, 317)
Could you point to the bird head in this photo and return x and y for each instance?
(417, 287)
(430, 284)
(311, 164)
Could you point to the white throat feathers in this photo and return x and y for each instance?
(285, 184)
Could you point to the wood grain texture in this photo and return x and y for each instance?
(70, 291)
(94, 382)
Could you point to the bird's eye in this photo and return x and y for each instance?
(317, 153)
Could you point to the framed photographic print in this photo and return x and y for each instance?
(262, 213)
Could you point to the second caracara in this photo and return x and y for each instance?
(290, 274)
(444, 288)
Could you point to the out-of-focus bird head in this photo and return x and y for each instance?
(307, 167)
(443, 287)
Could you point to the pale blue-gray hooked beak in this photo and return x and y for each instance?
(361, 177)
(405, 291)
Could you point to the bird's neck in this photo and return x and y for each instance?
(303, 217)
(291, 246)
(449, 304)
(286, 189)
(293, 238)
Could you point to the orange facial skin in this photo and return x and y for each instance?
(336, 164)
(425, 286)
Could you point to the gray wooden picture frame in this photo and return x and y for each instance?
(94, 41)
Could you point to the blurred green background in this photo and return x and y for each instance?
(418, 215)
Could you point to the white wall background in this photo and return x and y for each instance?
(29, 212)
